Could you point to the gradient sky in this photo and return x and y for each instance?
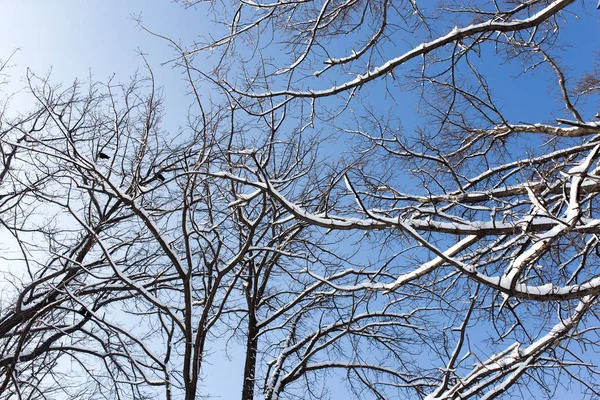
(73, 39)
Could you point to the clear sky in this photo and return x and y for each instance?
(76, 38)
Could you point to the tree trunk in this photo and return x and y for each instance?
(250, 364)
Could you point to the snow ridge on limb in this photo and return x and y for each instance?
(501, 370)
(455, 35)
(546, 228)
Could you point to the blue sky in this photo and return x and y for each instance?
(76, 36)
(74, 39)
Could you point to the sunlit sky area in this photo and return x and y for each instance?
(77, 39)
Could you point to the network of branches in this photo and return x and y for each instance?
(370, 199)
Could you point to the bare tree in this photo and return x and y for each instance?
(474, 213)
(353, 211)
(139, 256)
